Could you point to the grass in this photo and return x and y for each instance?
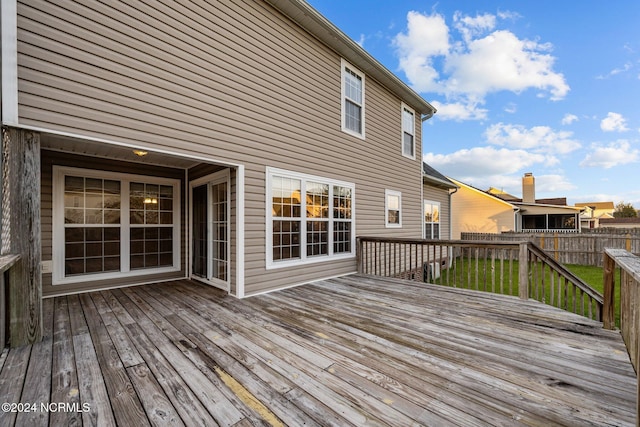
(591, 275)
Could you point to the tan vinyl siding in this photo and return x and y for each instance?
(236, 82)
(481, 213)
(440, 195)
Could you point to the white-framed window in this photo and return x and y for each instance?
(309, 218)
(353, 95)
(108, 225)
(431, 220)
(408, 132)
(393, 208)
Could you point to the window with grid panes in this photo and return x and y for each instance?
(310, 218)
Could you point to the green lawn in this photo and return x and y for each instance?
(466, 274)
(593, 277)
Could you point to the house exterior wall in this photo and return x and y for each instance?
(442, 196)
(235, 83)
(475, 212)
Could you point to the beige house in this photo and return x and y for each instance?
(593, 212)
(494, 211)
(477, 211)
(243, 145)
(437, 192)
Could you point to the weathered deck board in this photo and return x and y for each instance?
(349, 351)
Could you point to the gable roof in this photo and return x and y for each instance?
(300, 12)
(433, 177)
(598, 205)
(483, 193)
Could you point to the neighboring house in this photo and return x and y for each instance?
(595, 211)
(620, 223)
(477, 211)
(494, 211)
(437, 191)
(242, 144)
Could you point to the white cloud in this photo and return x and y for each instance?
(480, 61)
(552, 184)
(626, 67)
(611, 155)
(361, 40)
(427, 37)
(511, 108)
(569, 118)
(614, 122)
(482, 161)
(459, 111)
(538, 139)
(501, 61)
(470, 27)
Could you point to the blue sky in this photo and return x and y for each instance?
(548, 87)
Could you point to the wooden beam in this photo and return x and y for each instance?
(523, 271)
(25, 278)
(608, 272)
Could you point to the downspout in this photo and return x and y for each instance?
(451, 193)
(516, 211)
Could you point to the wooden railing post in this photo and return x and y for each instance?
(359, 256)
(523, 271)
(608, 315)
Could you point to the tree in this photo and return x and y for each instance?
(625, 210)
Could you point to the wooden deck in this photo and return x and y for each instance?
(350, 351)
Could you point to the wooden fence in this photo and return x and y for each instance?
(629, 267)
(571, 248)
(513, 268)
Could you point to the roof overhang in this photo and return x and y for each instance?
(300, 12)
(437, 182)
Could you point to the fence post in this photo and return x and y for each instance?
(523, 270)
(608, 272)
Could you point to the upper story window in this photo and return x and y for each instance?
(352, 100)
(309, 218)
(408, 132)
(393, 208)
(431, 220)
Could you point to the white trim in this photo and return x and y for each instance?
(344, 64)
(223, 176)
(240, 231)
(58, 225)
(9, 39)
(397, 194)
(404, 107)
(304, 259)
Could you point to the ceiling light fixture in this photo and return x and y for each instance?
(140, 153)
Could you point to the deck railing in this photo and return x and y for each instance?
(629, 267)
(512, 268)
(7, 276)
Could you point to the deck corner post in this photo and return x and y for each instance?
(523, 271)
(608, 272)
(22, 176)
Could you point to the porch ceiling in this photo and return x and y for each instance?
(113, 151)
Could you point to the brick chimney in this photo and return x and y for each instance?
(528, 188)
